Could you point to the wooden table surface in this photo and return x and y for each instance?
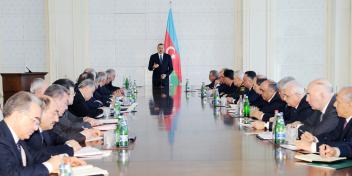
(180, 135)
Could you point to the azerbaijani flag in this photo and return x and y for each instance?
(171, 48)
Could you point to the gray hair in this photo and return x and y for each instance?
(324, 83)
(100, 77)
(239, 74)
(281, 84)
(214, 73)
(272, 85)
(297, 88)
(85, 83)
(56, 91)
(347, 93)
(110, 72)
(20, 102)
(36, 84)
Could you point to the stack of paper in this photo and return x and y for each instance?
(318, 158)
(108, 121)
(265, 135)
(91, 152)
(290, 147)
(88, 170)
(94, 139)
(105, 127)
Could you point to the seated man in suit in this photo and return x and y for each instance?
(240, 88)
(38, 87)
(248, 82)
(259, 102)
(295, 98)
(281, 85)
(111, 75)
(342, 147)
(22, 114)
(71, 126)
(84, 93)
(40, 140)
(102, 93)
(213, 78)
(273, 102)
(222, 87)
(324, 126)
(228, 80)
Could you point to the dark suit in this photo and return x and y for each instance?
(211, 85)
(70, 126)
(269, 107)
(326, 127)
(49, 142)
(227, 90)
(165, 67)
(303, 111)
(111, 88)
(11, 161)
(80, 107)
(238, 92)
(252, 96)
(103, 95)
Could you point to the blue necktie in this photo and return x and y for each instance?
(161, 58)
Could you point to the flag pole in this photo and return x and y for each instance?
(170, 2)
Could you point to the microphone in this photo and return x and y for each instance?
(29, 71)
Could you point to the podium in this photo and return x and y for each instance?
(15, 82)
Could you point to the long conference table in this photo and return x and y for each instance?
(178, 133)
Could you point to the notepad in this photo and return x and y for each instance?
(318, 158)
(94, 139)
(108, 121)
(88, 151)
(265, 135)
(88, 170)
(105, 127)
(290, 147)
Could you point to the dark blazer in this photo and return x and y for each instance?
(164, 68)
(102, 94)
(11, 161)
(259, 102)
(252, 96)
(228, 90)
(326, 127)
(269, 107)
(47, 141)
(211, 85)
(80, 107)
(303, 111)
(344, 140)
(111, 88)
(238, 92)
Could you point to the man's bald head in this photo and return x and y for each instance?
(319, 93)
(343, 102)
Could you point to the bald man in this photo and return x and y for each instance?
(342, 147)
(324, 126)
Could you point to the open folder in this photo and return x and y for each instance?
(88, 170)
(317, 158)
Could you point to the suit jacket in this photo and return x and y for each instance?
(303, 111)
(80, 107)
(238, 92)
(211, 85)
(269, 107)
(70, 126)
(102, 94)
(165, 67)
(326, 127)
(111, 88)
(47, 141)
(228, 90)
(252, 96)
(11, 161)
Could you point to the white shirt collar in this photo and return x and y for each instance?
(14, 135)
(348, 119)
(326, 106)
(40, 130)
(272, 97)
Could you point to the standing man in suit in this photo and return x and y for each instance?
(161, 65)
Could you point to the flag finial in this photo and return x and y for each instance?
(170, 2)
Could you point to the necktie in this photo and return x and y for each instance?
(345, 124)
(161, 58)
(23, 154)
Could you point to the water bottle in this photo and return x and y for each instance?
(216, 98)
(188, 88)
(203, 91)
(240, 106)
(65, 169)
(117, 107)
(246, 110)
(123, 133)
(280, 130)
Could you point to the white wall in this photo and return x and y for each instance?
(125, 33)
(23, 36)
